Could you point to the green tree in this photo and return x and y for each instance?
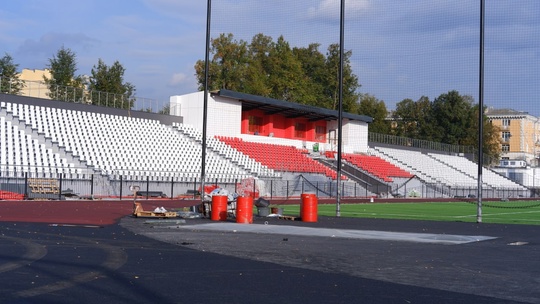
(258, 70)
(451, 118)
(491, 143)
(286, 79)
(314, 66)
(350, 80)
(227, 66)
(451, 113)
(371, 106)
(107, 86)
(9, 78)
(273, 69)
(63, 84)
(412, 119)
(404, 119)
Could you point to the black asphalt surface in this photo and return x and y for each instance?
(139, 262)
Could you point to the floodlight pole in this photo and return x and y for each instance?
(480, 115)
(340, 106)
(205, 98)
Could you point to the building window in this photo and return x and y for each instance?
(505, 148)
(320, 133)
(255, 124)
(506, 136)
(506, 123)
(300, 130)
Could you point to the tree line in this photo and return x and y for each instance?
(274, 69)
(306, 75)
(64, 80)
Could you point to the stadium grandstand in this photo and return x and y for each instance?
(255, 146)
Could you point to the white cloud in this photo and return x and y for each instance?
(178, 78)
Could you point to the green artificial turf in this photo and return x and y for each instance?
(512, 212)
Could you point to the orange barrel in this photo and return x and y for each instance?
(308, 207)
(219, 208)
(244, 210)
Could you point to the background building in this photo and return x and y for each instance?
(34, 84)
(520, 134)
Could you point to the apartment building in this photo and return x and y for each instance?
(520, 134)
(34, 85)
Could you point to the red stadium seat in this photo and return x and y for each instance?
(280, 157)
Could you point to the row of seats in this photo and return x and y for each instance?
(21, 150)
(241, 160)
(279, 157)
(451, 171)
(426, 167)
(376, 166)
(471, 168)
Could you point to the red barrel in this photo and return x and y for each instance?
(244, 210)
(308, 207)
(219, 208)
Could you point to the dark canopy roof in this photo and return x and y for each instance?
(288, 109)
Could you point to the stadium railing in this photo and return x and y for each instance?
(86, 185)
(40, 89)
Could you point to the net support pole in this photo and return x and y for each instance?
(205, 98)
(480, 114)
(340, 106)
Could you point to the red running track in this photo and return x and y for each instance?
(80, 212)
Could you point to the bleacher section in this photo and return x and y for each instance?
(70, 141)
(48, 143)
(234, 156)
(376, 166)
(468, 167)
(23, 153)
(451, 171)
(425, 167)
(38, 138)
(279, 157)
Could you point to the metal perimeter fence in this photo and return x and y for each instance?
(91, 185)
(40, 89)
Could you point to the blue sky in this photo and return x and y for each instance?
(401, 49)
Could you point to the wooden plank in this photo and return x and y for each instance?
(138, 211)
(43, 186)
(288, 217)
(147, 214)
